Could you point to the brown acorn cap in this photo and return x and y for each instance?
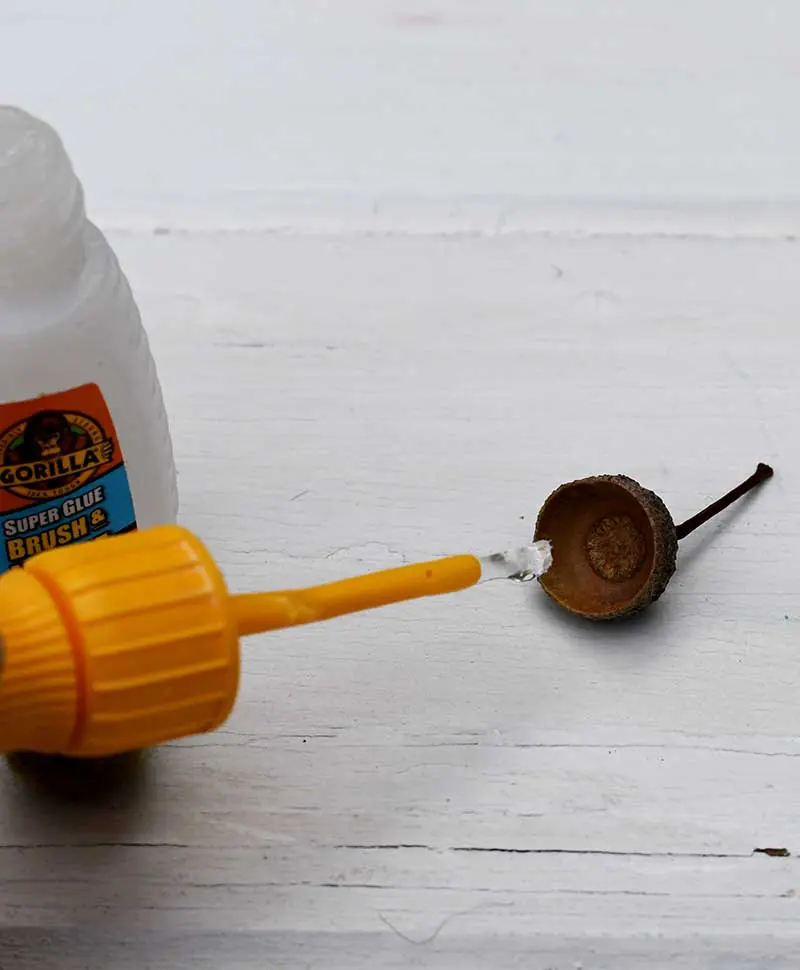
(614, 543)
(614, 546)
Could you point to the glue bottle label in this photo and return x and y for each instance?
(62, 474)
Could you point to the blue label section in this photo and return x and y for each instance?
(103, 507)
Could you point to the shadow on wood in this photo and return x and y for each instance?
(56, 782)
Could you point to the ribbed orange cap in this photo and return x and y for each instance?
(38, 690)
(139, 629)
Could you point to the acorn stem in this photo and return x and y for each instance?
(761, 474)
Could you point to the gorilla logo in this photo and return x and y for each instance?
(48, 435)
(52, 453)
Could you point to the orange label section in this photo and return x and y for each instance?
(62, 474)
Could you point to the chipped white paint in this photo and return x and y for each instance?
(476, 780)
(479, 771)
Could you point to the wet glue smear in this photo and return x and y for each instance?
(521, 565)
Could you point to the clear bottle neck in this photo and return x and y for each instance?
(42, 213)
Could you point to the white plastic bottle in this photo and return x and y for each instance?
(85, 449)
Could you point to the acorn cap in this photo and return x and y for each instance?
(614, 546)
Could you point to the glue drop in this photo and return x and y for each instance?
(85, 450)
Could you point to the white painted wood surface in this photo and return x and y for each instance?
(475, 781)
(479, 771)
(246, 113)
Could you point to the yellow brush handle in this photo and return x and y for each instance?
(130, 641)
(258, 612)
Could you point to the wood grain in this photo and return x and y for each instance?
(412, 113)
(477, 780)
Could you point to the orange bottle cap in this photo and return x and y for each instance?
(115, 644)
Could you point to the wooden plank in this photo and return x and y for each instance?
(480, 771)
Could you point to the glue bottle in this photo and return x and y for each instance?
(85, 450)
